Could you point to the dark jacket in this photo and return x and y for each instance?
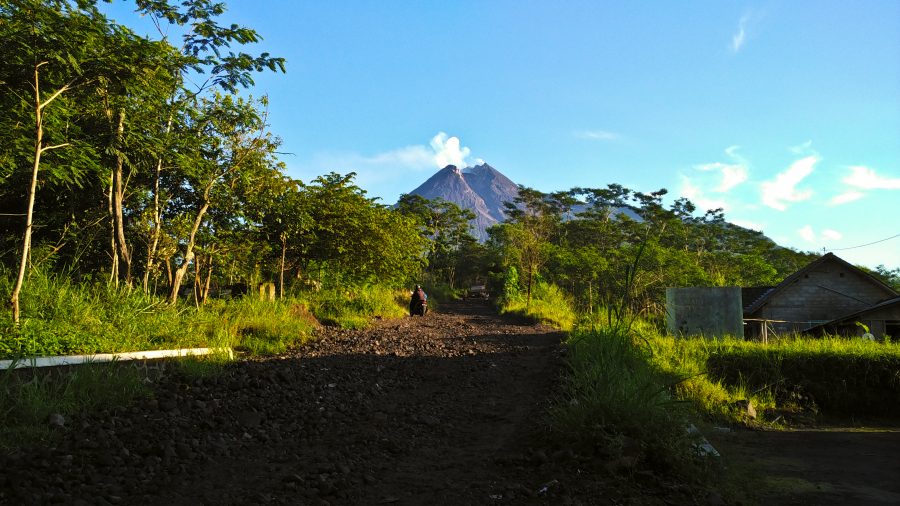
(418, 296)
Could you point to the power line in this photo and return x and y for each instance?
(867, 244)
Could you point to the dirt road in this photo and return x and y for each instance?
(432, 410)
(442, 410)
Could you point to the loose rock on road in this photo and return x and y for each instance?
(429, 410)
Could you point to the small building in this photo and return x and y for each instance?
(882, 320)
(829, 289)
(712, 312)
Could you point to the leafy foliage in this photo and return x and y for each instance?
(586, 240)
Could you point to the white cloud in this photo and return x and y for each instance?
(804, 149)
(392, 165)
(693, 193)
(866, 179)
(807, 233)
(783, 188)
(447, 151)
(739, 37)
(733, 174)
(598, 135)
(832, 235)
(846, 197)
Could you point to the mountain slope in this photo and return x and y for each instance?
(449, 184)
(493, 187)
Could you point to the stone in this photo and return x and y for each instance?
(56, 420)
(249, 419)
(746, 408)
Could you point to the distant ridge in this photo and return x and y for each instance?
(481, 189)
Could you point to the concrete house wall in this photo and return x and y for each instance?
(882, 320)
(823, 291)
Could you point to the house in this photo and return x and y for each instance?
(827, 290)
(882, 319)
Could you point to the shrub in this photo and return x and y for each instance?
(548, 305)
(612, 391)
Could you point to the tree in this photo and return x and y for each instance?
(230, 143)
(62, 47)
(533, 218)
(447, 228)
(203, 54)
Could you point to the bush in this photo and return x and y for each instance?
(548, 305)
(612, 391)
(354, 308)
(838, 376)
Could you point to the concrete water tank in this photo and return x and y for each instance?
(713, 312)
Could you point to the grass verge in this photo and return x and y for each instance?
(549, 305)
(839, 376)
(29, 397)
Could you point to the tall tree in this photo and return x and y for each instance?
(231, 142)
(203, 54)
(59, 47)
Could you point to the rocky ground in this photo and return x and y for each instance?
(445, 409)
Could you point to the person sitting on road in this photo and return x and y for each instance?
(417, 301)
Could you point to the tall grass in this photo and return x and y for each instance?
(837, 375)
(28, 398)
(612, 391)
(354, 308)
(63, 317)
(548, 305)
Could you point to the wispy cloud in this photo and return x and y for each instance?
(696, 195)
(783, 189)
(740, 36)
(809, 235)
(803, 149)
(865, 178)
(833, 235)
(598, 135)
(846, 198)
(733, 174)
(395, 164)
(751, 225)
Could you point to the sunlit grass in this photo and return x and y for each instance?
(548, 305)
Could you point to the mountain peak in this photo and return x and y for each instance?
(481, 189)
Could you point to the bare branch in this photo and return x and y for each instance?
(58, 92)
(48, 148)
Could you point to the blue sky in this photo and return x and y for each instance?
(785, 113)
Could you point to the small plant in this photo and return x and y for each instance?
(28, 398)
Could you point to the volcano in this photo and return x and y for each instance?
(481, 189)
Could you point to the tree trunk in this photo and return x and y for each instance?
(32, 189)
(209, 273)
(157, 214)
(281, 269)
(168, 261)
(118, 193)
(113, 245)
(196, 291)
(590, 296)
(530, 278)
(189, 249)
